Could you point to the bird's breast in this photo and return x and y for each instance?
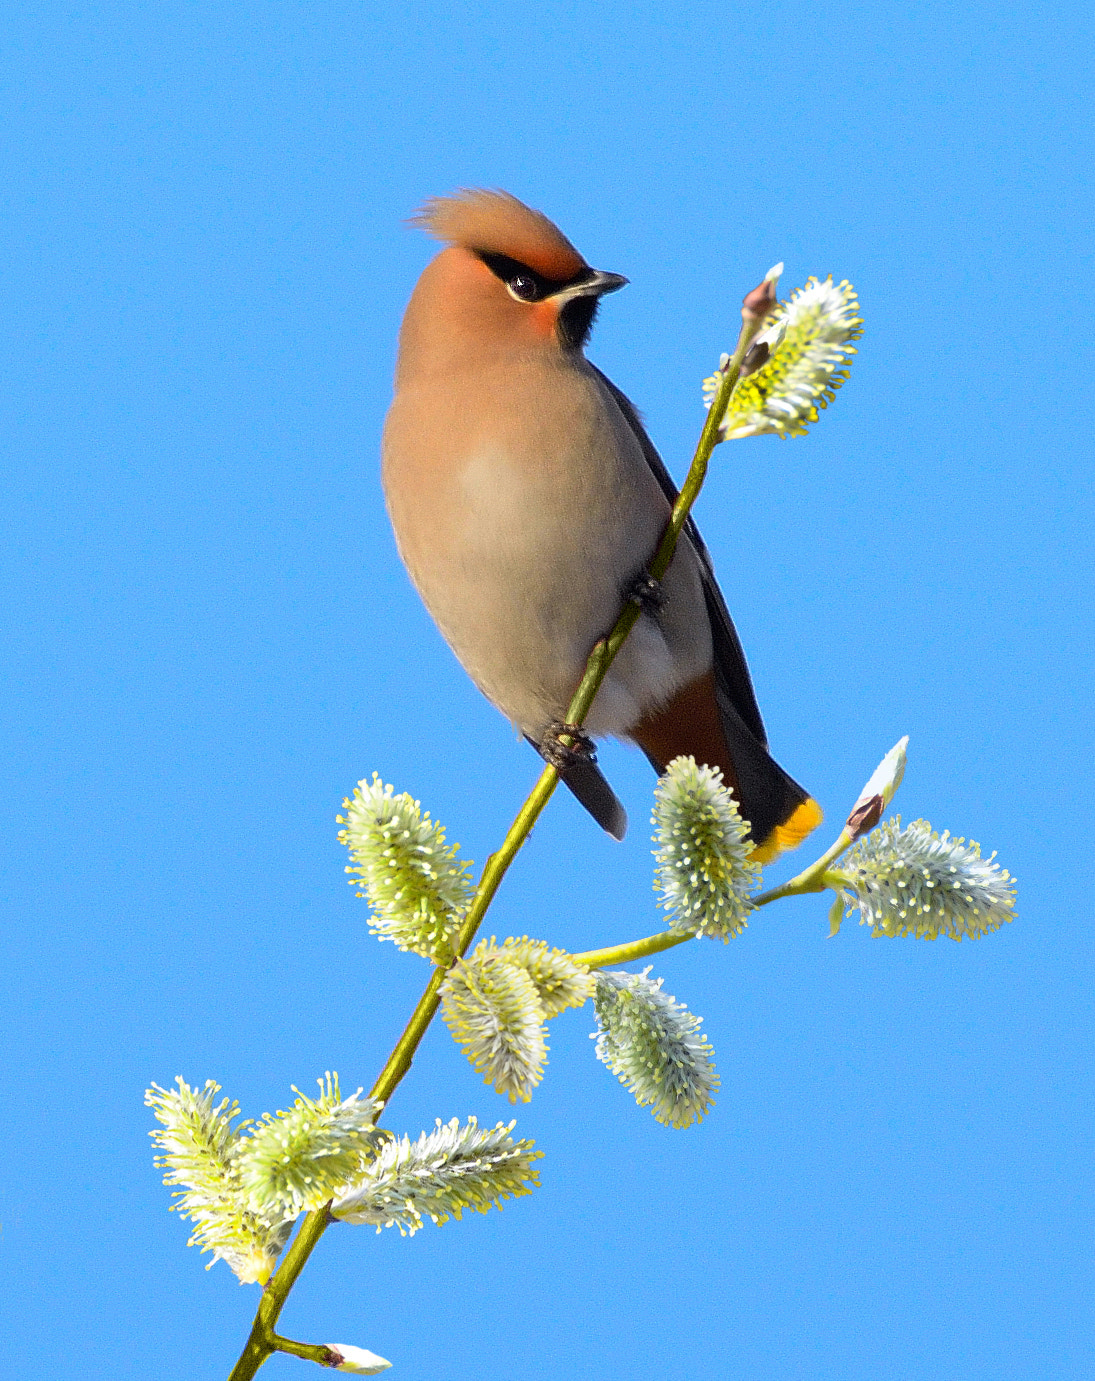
(522, 506)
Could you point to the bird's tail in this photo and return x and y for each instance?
(780, 812)
(701, 721)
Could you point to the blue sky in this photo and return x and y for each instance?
(208, 639)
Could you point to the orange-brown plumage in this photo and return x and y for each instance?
(688, 725)
(497, 223)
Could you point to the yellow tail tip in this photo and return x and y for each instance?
(804, 819)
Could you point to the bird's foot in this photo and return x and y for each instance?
(565, 746)
(647, 593)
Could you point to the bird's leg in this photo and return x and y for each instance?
(647, 593)
(577, 748)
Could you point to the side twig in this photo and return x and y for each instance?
(815, 878)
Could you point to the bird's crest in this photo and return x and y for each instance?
(495, 222)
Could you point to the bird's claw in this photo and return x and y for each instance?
(563, 755)
(647, 593)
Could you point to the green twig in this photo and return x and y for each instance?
(632, 950)
(311, 1352)
(263, 1341)
(811, 879)
(815, 878)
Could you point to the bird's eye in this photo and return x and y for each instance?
(525, 287)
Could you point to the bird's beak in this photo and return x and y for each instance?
(595, 285)
(606, 282)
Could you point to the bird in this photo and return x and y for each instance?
(527, 501)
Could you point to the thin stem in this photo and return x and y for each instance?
(815, 878)
(311, 1352)
(628, 953)
(262, 1340)
(811, 879)
(399, 1061)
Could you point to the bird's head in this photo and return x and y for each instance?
(509, 279)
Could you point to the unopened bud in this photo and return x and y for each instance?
(358, 1361)
(757, 304)
(865, 815)
(879, 791)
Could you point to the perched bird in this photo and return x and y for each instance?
(527, 501)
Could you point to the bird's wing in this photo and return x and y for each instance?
(732, 677)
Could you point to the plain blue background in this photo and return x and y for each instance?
(209, 639)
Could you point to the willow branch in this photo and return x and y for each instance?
(600, 659)
(263, 1340)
